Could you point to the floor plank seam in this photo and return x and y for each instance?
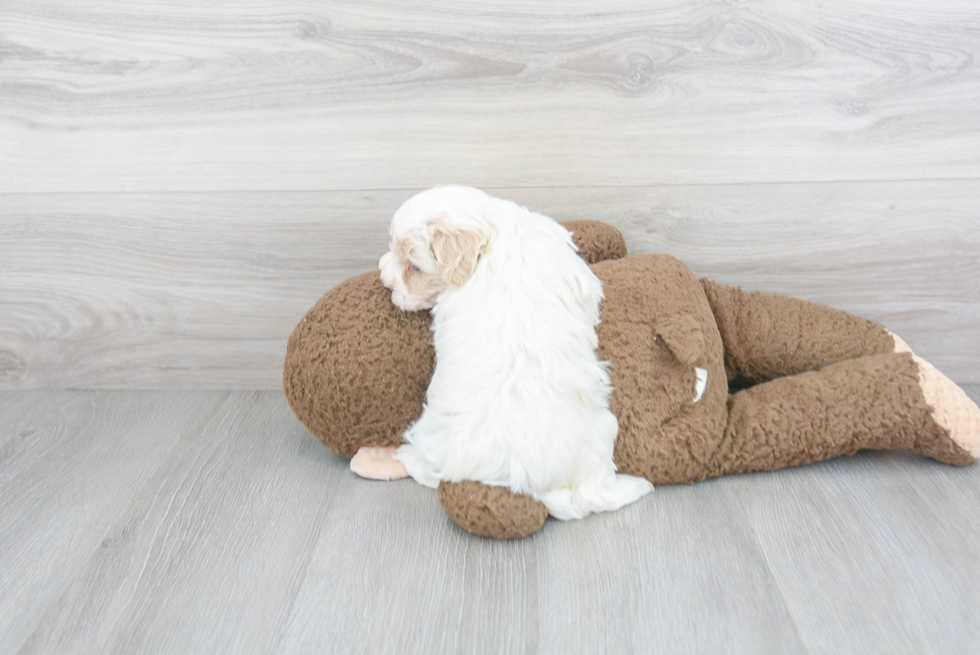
(773, 576)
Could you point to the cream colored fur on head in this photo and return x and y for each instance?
(518, 397)
(437, 239)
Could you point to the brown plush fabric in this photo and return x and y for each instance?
(596, 241)
(872, 402)
(357, 369)
(491, 511)
(768, 336)
(663, 435)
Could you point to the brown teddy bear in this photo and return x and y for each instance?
(815, 382)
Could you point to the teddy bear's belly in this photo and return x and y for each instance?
(664, 435)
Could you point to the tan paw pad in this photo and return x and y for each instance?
(900, 345)
(952, 409)
(377, 464)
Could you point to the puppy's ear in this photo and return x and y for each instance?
(457, 252)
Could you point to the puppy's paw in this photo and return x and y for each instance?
(603, 494)
(377, 464)
(627, 489)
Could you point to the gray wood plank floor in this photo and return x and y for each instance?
(211, 522)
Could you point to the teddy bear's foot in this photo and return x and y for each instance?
(378, 464)
(953, 412)
(494, 512)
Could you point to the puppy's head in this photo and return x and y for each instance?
(437, 239)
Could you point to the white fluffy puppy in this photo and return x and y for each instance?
(518, 398)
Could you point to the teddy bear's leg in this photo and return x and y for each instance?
(767, 336)
(876, 402)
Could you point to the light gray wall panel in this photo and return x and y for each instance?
(116, 96)
(202, 290)
(179, 182)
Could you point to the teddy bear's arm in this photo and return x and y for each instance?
(596, 241)
(489, 511)
(767, 336)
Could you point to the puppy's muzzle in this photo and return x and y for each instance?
(385, 258)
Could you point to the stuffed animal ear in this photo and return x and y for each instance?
(596, 241)
(683, 336)
(457, 252)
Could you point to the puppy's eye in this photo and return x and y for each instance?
(413, 268)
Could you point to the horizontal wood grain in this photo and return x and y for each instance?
(202, 290)
(166, 290)
(906, 255)
(296, 95)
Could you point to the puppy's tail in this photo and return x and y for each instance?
(599, 494)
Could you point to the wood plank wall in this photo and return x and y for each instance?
(179, 181)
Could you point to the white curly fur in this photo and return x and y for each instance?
(518, 398)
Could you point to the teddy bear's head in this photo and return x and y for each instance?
(357, 367)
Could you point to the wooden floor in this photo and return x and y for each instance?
(211, 522)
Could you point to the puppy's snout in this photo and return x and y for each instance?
(382, 263)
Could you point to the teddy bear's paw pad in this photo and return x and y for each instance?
(900, 345)
(491, 511)
(376, 463)
(952, 409)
